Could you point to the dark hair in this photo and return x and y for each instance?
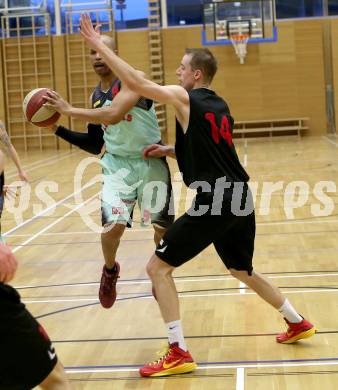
(203, 60)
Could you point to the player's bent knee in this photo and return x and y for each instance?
(151, 267)
(157, 267)
(240, 274)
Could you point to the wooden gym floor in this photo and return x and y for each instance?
(229, 330)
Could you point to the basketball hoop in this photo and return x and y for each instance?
(240, 41)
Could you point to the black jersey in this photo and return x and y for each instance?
(99, 97)
(206, 151)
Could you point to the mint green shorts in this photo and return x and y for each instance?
(131, 180)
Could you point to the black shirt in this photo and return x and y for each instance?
(206, 151)
(99, 97)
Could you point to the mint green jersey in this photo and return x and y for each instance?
(137, 130)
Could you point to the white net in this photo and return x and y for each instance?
(240, 42)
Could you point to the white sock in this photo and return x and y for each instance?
(175, 334)
(288, 312)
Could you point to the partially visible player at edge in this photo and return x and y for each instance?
(28, 358)
(205, 153)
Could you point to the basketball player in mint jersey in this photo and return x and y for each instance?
(130, 125)
(220, 215)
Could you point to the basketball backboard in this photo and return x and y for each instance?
(224, 19)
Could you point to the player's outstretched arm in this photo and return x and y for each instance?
(4, 138)
(91, 141)
(171, 94)
(123, 102)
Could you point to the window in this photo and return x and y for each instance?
(333, 7)
(299, 8)
(134, 13)
(181, 12)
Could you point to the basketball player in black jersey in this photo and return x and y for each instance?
(222, 212)
(27, 356)
(109, 89)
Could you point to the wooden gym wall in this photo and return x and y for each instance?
(334, 44)
(278, 80)
(25, 64)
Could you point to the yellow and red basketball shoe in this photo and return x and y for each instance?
(174, 361)
(295, 332)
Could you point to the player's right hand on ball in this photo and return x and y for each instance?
(8, 264)
(55, 101)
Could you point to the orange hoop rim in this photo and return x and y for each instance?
(239, 37)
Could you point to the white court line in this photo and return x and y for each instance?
(83, 232)
(66, 300)
(151, 230)
(38, 162)
(330, 140)
(44, 211)
(216, 278)
(54, 223)
(301, 276)
(240, 378)
(45, 164)
(252, 293)
(180, 295)
(208, 367)
(295, 222)
(245, 162)
(242, 288)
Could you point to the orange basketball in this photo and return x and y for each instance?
(34, 110)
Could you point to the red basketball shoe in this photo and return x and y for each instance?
(174, 361)
(295, 332)
(107, 293)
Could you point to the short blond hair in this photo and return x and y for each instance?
(203, 60)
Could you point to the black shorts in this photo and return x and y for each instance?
(27, 356)
(233, 237)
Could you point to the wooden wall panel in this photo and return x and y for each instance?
(133, 47)
(2, 89)
(278, 80)
(334, 34)
(61, 79)
(27, 64)
(81, 78)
